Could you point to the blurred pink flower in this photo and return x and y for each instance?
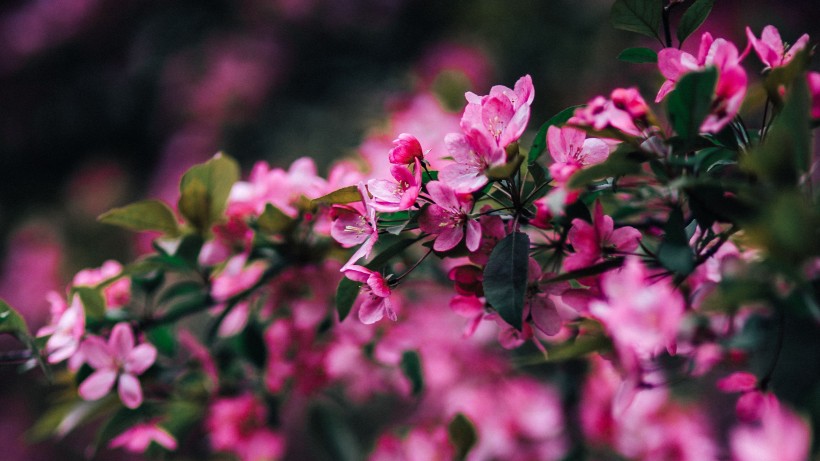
(137, 438)
(814, 89)
(67, 328)
(780, 434)
(571, 150)
(116, 360)
(375, 291)
(118, 293)
(770, 46)
(236, 277)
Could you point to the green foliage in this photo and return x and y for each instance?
(622, 162)
(641, 16)
(147, 215)
(693, 18)
(462, 435)
(344, 195)
(93, 302)
(11, 322)
(506, 170)
(674, 252)
(273, 220)
(505, 277)
(411, 367)
(334, 435)
(638, 55)
(690, 102)
(204, 191)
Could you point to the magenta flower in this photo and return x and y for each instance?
(474, 154)
(780, 434)
(116, 360)
(67, 329)
(449, 217)
(355, 225)
(590, 241)
(137, 438)
(770, 47)
(237, 277)
(814, 89)
(571, 151)
(401, 194)
(406, 151)
(503, 114)
(621, 111)
(376, 303)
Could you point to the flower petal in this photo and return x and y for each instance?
(130, 391)
(98, 384)
(140, 359)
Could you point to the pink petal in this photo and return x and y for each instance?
(140, 359)
(443, 195)
(473, 235)
(463, 178)
(594, 151)
(467, 306)
(625, 239)
(98, 384)
(130, 391)
(515, 127)
(371, 310)
(669, 63)
(97, 353)
(545, 316)
(738, 382)
(524, 91)
(357, 273)
(448, 238)
(378, 285)
(122, 340)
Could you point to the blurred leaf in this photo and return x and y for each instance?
(579, 347)
(347, 194)
(690, 102)
(788, 228)
(181, 289)
(539, 144)
(93, 302)
(706, 158)
(164, 338)
(11, 322)
(505, 277)
(638, 55)
(693, 18)
(253, 344)
(147, 215)
(674, 252)
(641, 16)
(204, 191)
(411, 367)
(334, 435)
(506, 170)
(785, 75)
(60, 419)
(273, 220)
(462, 435)
(619, 163)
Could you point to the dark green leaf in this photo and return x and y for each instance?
(148, 215)
(184, 288)
(253, 345)
(506, 170)
(462, 435)
(641, 16)
(204, 191)
(690, 102)
(93, 302)
(411, 367)
(11, 322)
(693, 18)
(347, 194)
(273, 220)
(638, 55)
(334, 435)
(590, 271)
(505, 277)
(785, 75)
(164, 338)
(427, 177)
(539, 144)
(674, 252)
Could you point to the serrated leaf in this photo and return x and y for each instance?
(147, 215)
(506, 170)
(693, 18)
(638, 55)
(93, 302)
(505, 277)
(690, 102)
(641, 16)
(411, 367)
(462, 435)
(344, 195)
(539, 144)
(204, 191)
(273, 220)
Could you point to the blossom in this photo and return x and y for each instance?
(355, 225)
(137, 438)
(592, 242)
(117, 293)
(66, 330)
(503, 114)
(814, 89)
(474, 154)
(236, 277)
(448, 218)
(376, 303)
(406, 151)
(571, 151)
(398, 195)
(769, 47)
(624, 110)
(117, 360)
(780, 435)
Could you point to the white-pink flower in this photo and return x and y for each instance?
(474, 153)
(503, 114)
(376, 303)
(67, 329)
(117, 360)
(398, 195)
(571, 150)
(355, 224)
(137, 438)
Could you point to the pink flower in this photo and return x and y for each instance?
(355, 225)
(738, 382)
(448, 217)
(814, 89)
(770, 47)
(118, 293)
(117, 359)
(624, 111)
(571, 151)
(780, 435)
(236, 277)
(592, 242)
(474, 154)
(406, 151)
(401, 194)
(376, 303)
(137, 438)
(641, 314)
(503, 114)
(67, 329)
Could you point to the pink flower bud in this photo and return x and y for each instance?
(407, 150)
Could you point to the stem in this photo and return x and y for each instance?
(667, 31)
(412, 268)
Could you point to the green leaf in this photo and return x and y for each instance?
(185, 288)
(638, 55)
(93, 302)
(462, 435)
(641, 16)
(147, 215)
(505, 277)
(506, 170)
(204, 191)
(164, 338)
(334, 435)
(689, 104)
(273, 220)
(693, 18)
(11, 322)
(785, 75)
(411, 367)
(619, 163)
(674, 252)
(539, 144)
(347, 194)
(580, 347)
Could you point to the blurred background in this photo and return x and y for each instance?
(103, 103)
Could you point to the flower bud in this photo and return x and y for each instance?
(407, 150)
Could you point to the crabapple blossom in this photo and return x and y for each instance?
(118, 293)
(376, 293)
(406, 151)
(355, 225)
(116, 360)
(398, 195)
(474, 154)
(448, 218)
(624, 110)
(770, 48)
(592, 242)
(571, 150)
(236, 277)
(780, 434)
(814, 89)
(502, 115)
(66, 329)
(137, 438)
